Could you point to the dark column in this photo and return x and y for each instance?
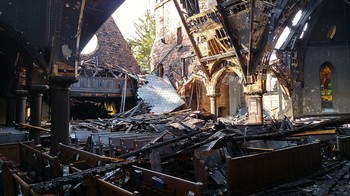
(35, 111)
(10, 110)
(21, 101)
(59, 102)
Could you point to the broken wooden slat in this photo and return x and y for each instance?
(35, 128)
(316, 132)
(149, 148)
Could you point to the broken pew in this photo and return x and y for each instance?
(343, 146)
(15, 181)
(81, 137)
(149, 182)
(19, 178)
(95, 186)
(248, 174)
(12, 150)
(44, 164)
(99, 187)
(79, 159)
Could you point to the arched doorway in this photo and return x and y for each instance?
(326, 87)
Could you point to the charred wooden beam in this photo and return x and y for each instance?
(77, 177)
(193, 43)
(250, 47)
(238, 50)
(149, 148)
(273, 135)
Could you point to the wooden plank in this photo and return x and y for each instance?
(316, 132)
(36, 128)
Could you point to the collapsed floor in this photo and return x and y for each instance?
(186, 152)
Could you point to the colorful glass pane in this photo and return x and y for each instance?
(326, 87)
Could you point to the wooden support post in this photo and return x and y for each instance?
(122, 104)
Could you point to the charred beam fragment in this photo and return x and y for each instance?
(250, 47)
(193, 43)
(274, 135)
(151, 147)
(236, 46)
(74, 178)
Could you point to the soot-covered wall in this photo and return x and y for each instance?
(334, 51)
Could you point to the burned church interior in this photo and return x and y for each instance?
(243, 97)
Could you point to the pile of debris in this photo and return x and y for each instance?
(184, 152)
(190, 145)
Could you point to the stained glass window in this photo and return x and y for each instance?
(326, 87)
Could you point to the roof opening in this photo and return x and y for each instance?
(91, 46)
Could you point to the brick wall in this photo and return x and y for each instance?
(112, 48)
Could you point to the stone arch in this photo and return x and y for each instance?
(221, 71)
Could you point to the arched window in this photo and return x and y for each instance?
(326, 87)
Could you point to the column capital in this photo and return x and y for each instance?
(215, 95)
(38, 88)
(62, 81)
(21, 92)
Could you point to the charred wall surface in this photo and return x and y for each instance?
(328, 45)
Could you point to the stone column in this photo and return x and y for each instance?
(254, 96)
(35, 111)
(212, 93)
(10, 110)
(21, 101)
(59, 94)
(213, 108)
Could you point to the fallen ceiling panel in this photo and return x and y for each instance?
(159, 94)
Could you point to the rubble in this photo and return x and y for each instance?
(189, 146)
(185, 151)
